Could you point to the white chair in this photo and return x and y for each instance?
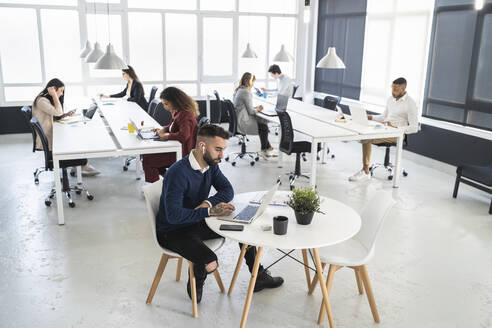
(356, 252)
(152, 193)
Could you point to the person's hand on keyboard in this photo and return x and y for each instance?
(222, 209)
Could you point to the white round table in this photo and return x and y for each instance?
(338, 223)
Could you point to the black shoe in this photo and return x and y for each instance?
(265, 280)
(200, 281)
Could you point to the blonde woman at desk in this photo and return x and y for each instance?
(48, 105)
(134, 90)
(247, 121)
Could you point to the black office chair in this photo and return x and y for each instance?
(220, 114)
(387, 164)
(64, 164)
(288, 145)
(479, 177)
(202, 121)
(233, 132)
(331, 102)
(162, 116)
(153, 91)
(152, 105)
(27, 112)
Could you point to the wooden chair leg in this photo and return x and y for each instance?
(193, 290)
(238, 266)
(306, 269)
(329, 281)
(315, 280)
(157, 278)
(359, 281)
(178, 269)
(370, 295)
(219, 281)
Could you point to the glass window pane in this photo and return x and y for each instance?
(380, 6)
(451, 63)
(217, 46)
(145, 51)
(445, 112)
(270, 6)
(283, 32)
(107, 89)
(189, 88)
(252, 30)
(61, 44)
(413, 5)
(181, 48)
(44, 2)
(19, 48)
(102, 36)
(480, 119)
(225, 90)
(408, 53)
(375, 61)
(26, 94)
(483, 80)
(224, 5)
(162, 4)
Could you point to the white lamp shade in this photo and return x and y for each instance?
(249, 53)
(283, 56)
(331, 60)
(95, 54)
(87, 49)
(110, 60)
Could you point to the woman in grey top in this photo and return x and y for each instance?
(247, 121)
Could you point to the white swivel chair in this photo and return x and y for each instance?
(356, 252)
(152, 193)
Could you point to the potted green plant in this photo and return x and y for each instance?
(305, 202)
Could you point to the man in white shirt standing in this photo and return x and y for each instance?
(401, 111)
(284, 83)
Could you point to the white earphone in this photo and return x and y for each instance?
(203, 150)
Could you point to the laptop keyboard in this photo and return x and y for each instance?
(247, 213)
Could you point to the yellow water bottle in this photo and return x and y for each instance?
(131, 128)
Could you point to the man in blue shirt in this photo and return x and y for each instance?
(185, 203)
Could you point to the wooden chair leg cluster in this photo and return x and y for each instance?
(160, 271)
(363, 282)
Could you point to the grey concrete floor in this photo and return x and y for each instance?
(432, 266)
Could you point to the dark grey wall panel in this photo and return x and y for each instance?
(341, 24)
(12, 121)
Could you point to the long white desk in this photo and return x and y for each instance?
(95, 138)
(319, 124)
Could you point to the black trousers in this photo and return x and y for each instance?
(263, 133)
(188, 242)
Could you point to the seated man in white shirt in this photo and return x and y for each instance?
(284, 83)
(401, 111)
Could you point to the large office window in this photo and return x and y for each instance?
(193, 44)
(252, 30)
(217, 35)
(19, 47)
(61, 53)
(459, 75)
(396, 45)
(145, 41)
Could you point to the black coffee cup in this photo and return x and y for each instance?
(280, 225)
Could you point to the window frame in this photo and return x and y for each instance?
(83, 8)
